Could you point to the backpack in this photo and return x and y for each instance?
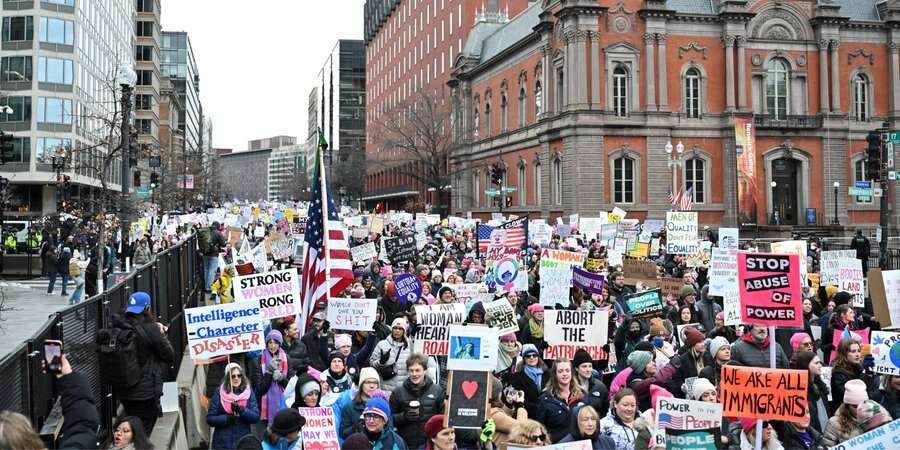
(120, 365)
(204, 241)
(74, 268)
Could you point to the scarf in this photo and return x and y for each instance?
(507, 355)
(226, 398)
(749, 339)
(271, 400)
(535, 374)
(536, 328)
(340, 381)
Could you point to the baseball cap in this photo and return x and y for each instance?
(138, 302)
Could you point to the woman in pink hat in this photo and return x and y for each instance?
(844, 424)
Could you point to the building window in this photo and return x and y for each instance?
(21, 151)
(692, 93)
(54, 110)
(20, 28)
(21, 107)
(538, 99)
(860, 98)
(57, 31)
(145, 6)
(695, 177)
(623, 180)
(60, 2)
(476, 122)
(144, 126)
(523, 107)
(560, 90)
(620, 91)
(143, 102)
(16, 68)
(487, 118)
(54, 70)
(776, 88)
(47, 147)
(859, 174)
(523, 187)
(537, 183)
(503, 113)
(144, 28)
(145, 77)
(144, 53)
(557, 181)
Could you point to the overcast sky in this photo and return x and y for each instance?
(258, 60)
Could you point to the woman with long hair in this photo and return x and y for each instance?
(848, 365)
(233, 409)
(128, 434)
(529, 433)
(274, 363)
(889, 392)
(553, 405)
(817, 392)
(530, 376)
(619, 422)
(844, 425)
(690, 362)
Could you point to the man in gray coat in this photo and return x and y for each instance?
(753, 349)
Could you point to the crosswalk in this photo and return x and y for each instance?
(37, 283)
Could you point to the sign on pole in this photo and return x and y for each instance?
(276, 293)
(644, 304)
(469, 392)
(320, 431)
(675, 413)
(681, 233)
(769, 289)
(473, 347)
(759, 393)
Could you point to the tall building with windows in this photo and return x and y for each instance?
(179, 65)
(287, 167)
(758, 110)
(147, 89)
(58, 69)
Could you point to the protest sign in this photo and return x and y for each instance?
(590, 226)
(506, 274)
(886, 351)
(728, 238)
(566, 331)
(723, 272)
(319, 432)
(224, 329)
(607, 233)
(363, 253)
(473, 347)
(401, 249)
(850, 280)
(679, 414)
(500, 315)
(540, 234)
(469, 292)
(590, 282)
(767, 394)
(884, 286)
(354, 314)
(692, 439)
(468, 400)
(882, 438)
(556, 275)
(576, 445)
(861, 336)
(681, 233)
(282, 246)
(830, 265)
(593, 264)
(276, 293)
(795, 247)
(563, 230)
(731, 306)
(408, 287)
(644, 304)
(299, 228)
(670, 286)
(769, 288)
(639, 270)
(433, 336)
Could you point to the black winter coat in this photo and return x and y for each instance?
(840, 376)
(597, 396)
(155, 355)
(520, 381)
(298, 356)
(431, 400)
(80, 418)
(554, 414)
(790, 437)
(687, 368)
(317, 349)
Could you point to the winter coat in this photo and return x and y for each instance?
(90, 279)
(228, 428)
(388, 352)
(360, 358)
(155, 355)
(713, 372)
(623, 435)
(389, 440)
(707, 310)
(746, 352)
(520, 381)
(62, 263)
(525, 336)
(554, 414)
(891, 402)
(790, 437)
(597, 395)
(431, 402)
(641, 386)
(833, 435)
(80, 418)
(687, 368)
(141, 255)
(773, 444)
(841, 375)
(350, 419)
(297, 354)
(599, 441)
(283, 444)
(624, 343)
(317, 347)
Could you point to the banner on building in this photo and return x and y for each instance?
(769, 289)
(565, 331)
(224, 329)
(276, 293)
(433, 335)
(747, 189)
(767, 394)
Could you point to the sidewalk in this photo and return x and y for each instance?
(28, 307)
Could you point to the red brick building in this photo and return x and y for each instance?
(578, 99)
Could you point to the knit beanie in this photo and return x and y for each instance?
(687, 290)
(336, 355)
(400, 323)
(796, 339)
(310, 386)
(357, 441)
(529, 348)
(638, 361)
(701, 386)
(872, 415)
(716, 344)
(657, 328)
(581, 357)
(693, 336)
(379, 406)
(276, 336)
(368, 373)
(434, 426)
(509, 338)
(842, 298)
(537, 307)
(855, 392)
(342, 340)
(287, 421)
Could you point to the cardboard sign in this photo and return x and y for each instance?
(886, 351)
(224, 329)
(299, 228)
(500, 315)
(639, 270)
(556, 275)
(757, 393)
(408, 287)
(566, 331)
(692, 439)
(830, 265)
(884, 288)
(883, 437)
(675, 413)
(723, 272)
(364, 253)
(276, 293)
(540, 234)
(644, 304)
(401, 249)
(320, 431)
(728, 238)
(591, 282)
(282, 246)
(681, 233)
(468, 400)
(670, 286)
(590, 226)
(433, 335)
(470, 292)
(473, 347)
(769, 288)
(355, 314)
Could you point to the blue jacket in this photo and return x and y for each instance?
(282, 444)
(228, 430)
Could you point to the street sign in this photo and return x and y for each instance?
(509, 189)
(143, 191)
(863, 184)
(491, 192)
(861, 192)
(878, 192)
(894, 137)
(892, 175)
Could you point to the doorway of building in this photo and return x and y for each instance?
(785, 181)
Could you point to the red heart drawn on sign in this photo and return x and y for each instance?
(469, 388)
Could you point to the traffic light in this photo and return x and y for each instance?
(67, 182)
(497, 174)
(508, 201)
(4, 184)
(154, 180)
(6, 147)
(873, 156)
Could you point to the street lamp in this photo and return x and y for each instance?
(126, 77)
(774, 211)
(675, 161)
(836, 186)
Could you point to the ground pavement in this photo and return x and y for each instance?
(27, 308)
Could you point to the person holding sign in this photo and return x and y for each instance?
(748, 436)
(817, 390)
(233, 409)
(529, 377)
(274, 363)
(644, 374)
(375, 429)
(753, 349)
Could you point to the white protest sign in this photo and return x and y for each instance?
(473, 347)
(590, 226)
(728, 238)
(540, 234)
(433, 336)
(883, 437)
(224, 329)
(354, 314)
(363, 253)
(500, 315)
(556, 275)
(850, 280)
(276, 293)
(681, 233)
(830, 266)
(566, 331)
(886, 351)
(320, 429)
(469, 292)
(723, 272)
(681, 414)
(258, 258)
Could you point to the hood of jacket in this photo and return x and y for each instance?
(573, 424)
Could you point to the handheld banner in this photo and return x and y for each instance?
(354, 314)
(363, 253)
(277, 293)
(675, 413)
(319, 432)
(224, 329)
(469, 292)
(556, 275)
(886, 351)
(644, 304)
(400, 249)
(468, 400)
(408, 286)
(566, 331)
(830, 265)
(883, 437)
(590, 282)
(692, 439)
(884, 287)
(769, 289)
(723, 272)
(473, 348)
(757, 393)
(500, 315)
(433, 335)
(681, 233)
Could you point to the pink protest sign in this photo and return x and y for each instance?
(770, 292)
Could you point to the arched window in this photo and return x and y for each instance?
(777, 88)
(523, 107)
(503, 113)
(861, 97)
(623, 180)
(477, 122)
(695, 178)
(538, 98)
(692, 93)
(487, 119)
(557, 181)
(537, 183)
(523, 188)
(620, 91)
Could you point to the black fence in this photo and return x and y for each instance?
(893, 254)
(173, 280)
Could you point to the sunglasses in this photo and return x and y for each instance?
(539, 437)
(531, 355)
(236, 375)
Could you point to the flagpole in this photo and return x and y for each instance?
(325, 209)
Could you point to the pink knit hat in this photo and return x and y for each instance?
(796, 339)
(871, 415)
(855, 392)
(537, 307)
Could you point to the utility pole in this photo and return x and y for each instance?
(885, 186)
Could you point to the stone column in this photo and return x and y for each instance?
(569, 68)
(650, 82)
(581, 68)
(728, 43)
(741, 41)
(894, 67)
(835, 77)
(663, 72)
(823, 75)
(547, 84)
(596, 97)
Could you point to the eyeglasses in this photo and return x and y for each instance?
(540, 437)
(236, 375)
(371, 416)
(531, 355)
(371, 383)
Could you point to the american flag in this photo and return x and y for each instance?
(327, 267)
(516, 234)
(687, 199)
(673, 197)
(668, 421)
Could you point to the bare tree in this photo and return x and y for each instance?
(415, 140)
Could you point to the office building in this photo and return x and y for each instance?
(287, 172)
(179, 65)
(147, 89)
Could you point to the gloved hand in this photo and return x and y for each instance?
(274, 365)
(868, 363)
(236, 409)
(277, 375)
(487, 431)
(658, 342)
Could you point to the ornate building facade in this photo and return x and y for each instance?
(578, 100)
